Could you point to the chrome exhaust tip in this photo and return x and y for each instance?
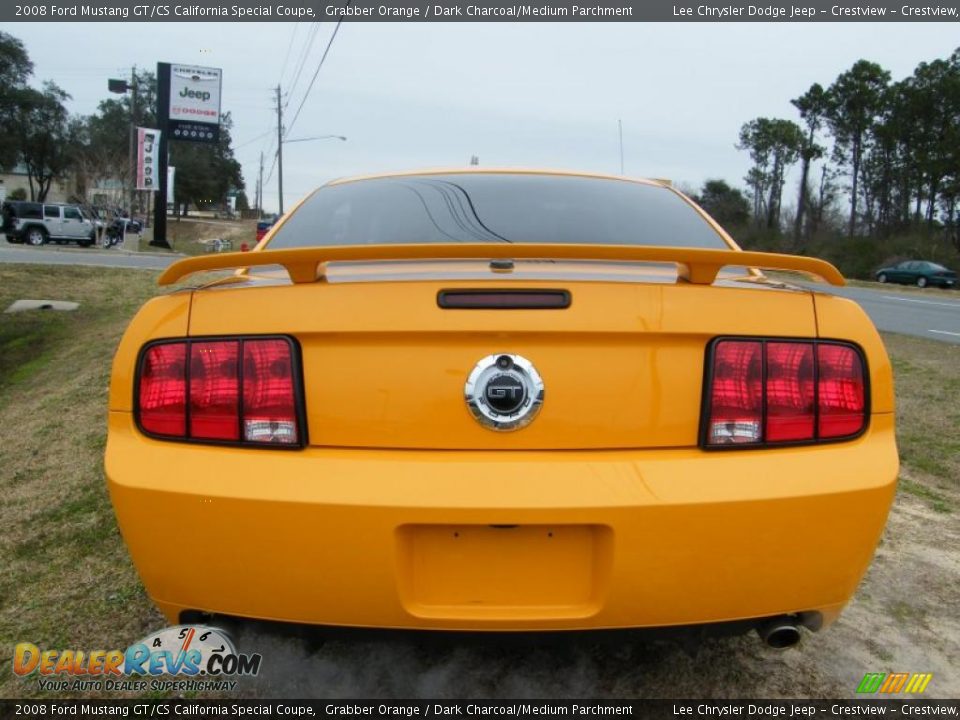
(779, 633)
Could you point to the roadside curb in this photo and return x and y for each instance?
(93, 251)
(150, 253)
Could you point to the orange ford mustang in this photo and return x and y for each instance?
(502, 400)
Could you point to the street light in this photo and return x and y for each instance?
(122, 87)
(318, 137)
(280, 158)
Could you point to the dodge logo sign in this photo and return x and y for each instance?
(504, 392)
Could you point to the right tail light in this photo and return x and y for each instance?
(765, 392)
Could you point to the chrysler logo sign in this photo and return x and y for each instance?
(504, 392)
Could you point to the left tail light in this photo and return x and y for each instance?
(243, 390)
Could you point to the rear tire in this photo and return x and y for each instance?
(882, 277)
(921, 282)
(36, 236)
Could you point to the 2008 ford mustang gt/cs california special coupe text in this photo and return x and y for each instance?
(502, 400)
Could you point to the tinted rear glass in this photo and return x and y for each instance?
(490, 207)
(28, 210)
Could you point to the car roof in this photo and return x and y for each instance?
(474, 170)
(39, 202)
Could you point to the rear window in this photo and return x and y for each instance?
(495, 208)
(28, 211)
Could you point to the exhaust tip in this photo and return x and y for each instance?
(780, 633)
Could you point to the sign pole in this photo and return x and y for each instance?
(163, 125)
(133, 141)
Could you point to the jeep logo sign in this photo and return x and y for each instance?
(201, 96)
(194, 96)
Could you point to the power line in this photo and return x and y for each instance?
(252, 140)
(272, 168)
(268, 148)
(283, 69)
(279, 140)
(317, 71)
(304, 54)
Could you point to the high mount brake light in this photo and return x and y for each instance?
(236, 390)
(762, 392)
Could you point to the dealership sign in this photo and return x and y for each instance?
(148, 154)
(194, 108)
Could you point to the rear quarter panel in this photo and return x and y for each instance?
(842, 319)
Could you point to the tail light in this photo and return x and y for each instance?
(762, 392)
(236, 390)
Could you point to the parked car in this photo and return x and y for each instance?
(918, 272)
(108, 214)
(35, 223)
(263, 227)
(503, 400)
(133, 224)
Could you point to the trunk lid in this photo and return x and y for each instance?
(385, 366)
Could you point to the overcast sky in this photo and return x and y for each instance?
(527, 94)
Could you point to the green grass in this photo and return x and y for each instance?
(927, 381)
(937, 502)
(67, 580)
(191, 236)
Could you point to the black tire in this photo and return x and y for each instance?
(921, 282)
(882, 277)
(35, 236)
(87, 242)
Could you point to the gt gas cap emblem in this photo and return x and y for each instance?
(504, 392)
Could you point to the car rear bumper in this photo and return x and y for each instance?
(514, 540)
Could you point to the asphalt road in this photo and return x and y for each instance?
(73, 255)
(931, 313)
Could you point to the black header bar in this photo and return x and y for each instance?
(480, 11)
(520, 708)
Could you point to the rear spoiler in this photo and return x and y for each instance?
(694, 265)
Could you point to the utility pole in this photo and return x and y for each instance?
(280, 148)
(133, 138)
(260, 189)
